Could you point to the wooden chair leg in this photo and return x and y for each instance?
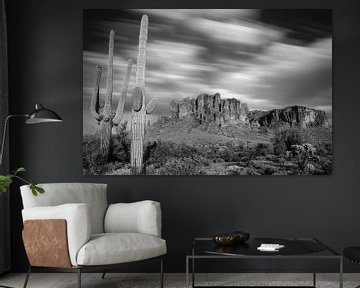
(27, 277)
(79, 277)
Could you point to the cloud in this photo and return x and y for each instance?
(239, 32)
(174, 15)
(296, 74)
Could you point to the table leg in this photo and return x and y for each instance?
(341, 273)
(314, 271)
(187, 272)
(193, 272)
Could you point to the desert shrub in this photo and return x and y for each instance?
(229, 155)
(328, 148)
(158, 153)
(285, 138)
(257, 164)
(92, 159)
(94, 164)
(120, 145)
(252, 171)
(303, 154)
(324, 149)
(324, 167)
(219, 160)
(229, 152)
(321, 151)
(182, 166)
(237, 170)
(270, 170)
(151, 170)
(263, 149)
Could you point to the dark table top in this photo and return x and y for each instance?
(293, 247)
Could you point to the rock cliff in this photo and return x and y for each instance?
(292, 116)
(211, 109)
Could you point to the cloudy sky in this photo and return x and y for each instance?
(267, 58)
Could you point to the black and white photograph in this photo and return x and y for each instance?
(207, 92)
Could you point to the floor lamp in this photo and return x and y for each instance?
(39, 115)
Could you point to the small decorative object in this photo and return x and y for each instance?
(225, 239)
(270, 247)
(241, 236)
(231, 238)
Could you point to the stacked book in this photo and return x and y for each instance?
(270, 247)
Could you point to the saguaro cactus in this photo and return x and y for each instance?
(139, 109)
(106, 118)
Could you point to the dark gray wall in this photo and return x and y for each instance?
(45, 49)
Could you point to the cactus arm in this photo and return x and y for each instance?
(105, 127)
(141, 60)
(95, 99)
(109, 79)
(120, 109)
(150, 107)
(137, 99)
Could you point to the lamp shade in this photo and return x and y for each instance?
(42, 115)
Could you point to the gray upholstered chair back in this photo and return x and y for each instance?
(55, 194)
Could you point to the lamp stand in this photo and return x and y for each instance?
(4, 135)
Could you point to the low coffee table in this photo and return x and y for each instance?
(295, 248)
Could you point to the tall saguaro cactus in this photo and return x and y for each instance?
(139, 109)
(106, 118)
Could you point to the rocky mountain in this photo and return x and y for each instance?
(291, 116)
(208, 109)
(214, 111)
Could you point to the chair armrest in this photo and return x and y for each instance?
(78, 223)
(138, 217)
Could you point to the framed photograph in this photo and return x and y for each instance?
(207, 92)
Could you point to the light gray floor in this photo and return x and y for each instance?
(115, 280)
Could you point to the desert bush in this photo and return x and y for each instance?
(94, 164)
(219, 160)
(263, 149)
(92, 160)
(158, 152)
(229, 155)
(230, 152)
(270, 170)
(257, 164)
(182, 166)
(120, 145)
(328, 148)
(151, 170)
(324, 166)
(237, 170)
(324, 149)
(285, 138)
(303, 154)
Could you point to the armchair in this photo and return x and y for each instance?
(71, 228)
